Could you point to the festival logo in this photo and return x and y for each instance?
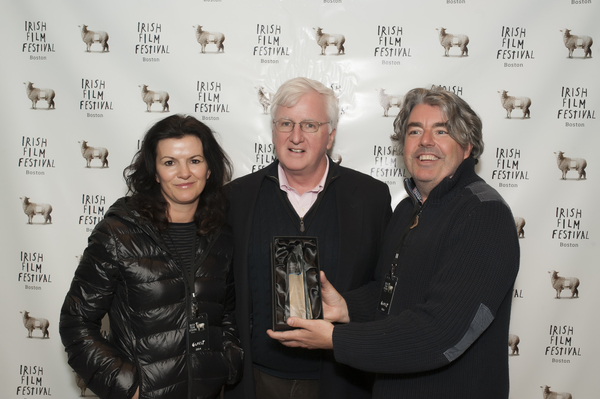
(388, 101)
(210, 101)
(575, 106)
(32, 270)
(509, 168)
(513, 46)
(513, 344)
(565, 164)
(568, 227)
(564, 283)
(509, 103)
(31, 209)
(269, 43)
(92, 210)
(561, 344)
(573, 42)
(90, 153)
(449, 40)
(149, 41)
(90, 37)
(264, 154)
(35, 95)
(36, 40)
(93, 97)
(330, 39)
(32, 381)
(35, 155)
(390, 44)
(35, 323)
(204, 37)
(150, 97)
(386, 165)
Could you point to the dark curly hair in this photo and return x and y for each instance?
(145, 191)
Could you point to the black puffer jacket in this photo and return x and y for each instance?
(128, 272)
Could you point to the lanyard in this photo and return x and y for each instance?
(412, 223)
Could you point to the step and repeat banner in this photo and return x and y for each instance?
(81, 82)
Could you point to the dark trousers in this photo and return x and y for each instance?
(270, 387)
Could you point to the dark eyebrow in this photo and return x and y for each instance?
(419, 124)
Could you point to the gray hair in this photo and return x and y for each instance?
(290, 92)
(463, 124)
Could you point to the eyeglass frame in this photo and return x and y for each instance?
(301, 123)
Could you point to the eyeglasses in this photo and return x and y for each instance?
(286, 126)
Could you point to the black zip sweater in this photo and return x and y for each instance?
(447, 331)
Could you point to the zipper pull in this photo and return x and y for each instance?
(302, 225)
(194, 305)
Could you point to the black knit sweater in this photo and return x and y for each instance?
(447, 331)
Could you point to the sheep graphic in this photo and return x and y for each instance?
(513, 344)
(509, 103)
(264, 98)
(520, 225)
(205, 37)
(388, 101)
(330, 39)
(448, 40)
(90, 37)
(150, 97)
(80, 384)
(561, 283)
(31, 209)
(573, 42)
(565, 164)
(31, 323)
(548, 394)
(35, 95)
(89, 153)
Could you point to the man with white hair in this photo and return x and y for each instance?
(302, 193)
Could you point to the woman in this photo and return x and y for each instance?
(159, 264)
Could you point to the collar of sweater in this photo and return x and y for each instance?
(449, 186)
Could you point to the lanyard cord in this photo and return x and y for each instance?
(412, 223)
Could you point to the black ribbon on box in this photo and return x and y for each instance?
(295, 280)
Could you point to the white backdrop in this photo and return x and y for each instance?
(515, 46)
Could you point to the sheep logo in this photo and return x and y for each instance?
(330, 39)
(31, 209)
(264, 98)
(388, 101)
(548, 394)
(520, 225)
(90, 37)
(80, 384)
(448, 40)
(565, 164)
(205, 37)
(573, 42)
(561, 283)
(35, 95)
(513, 344)
(150, 97)
(89, 153)
(31, 323)
(509, 103)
